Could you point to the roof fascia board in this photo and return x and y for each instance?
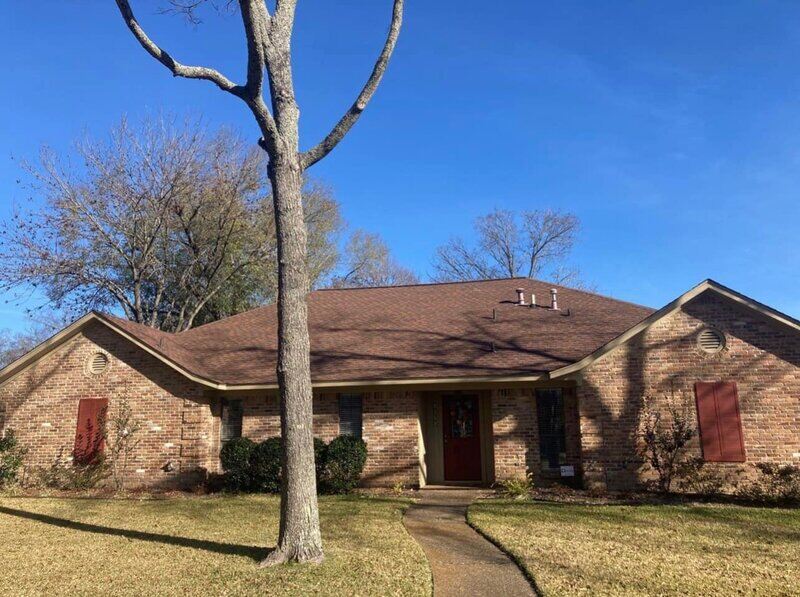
(10, 370)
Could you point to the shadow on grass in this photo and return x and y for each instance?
(254, 553)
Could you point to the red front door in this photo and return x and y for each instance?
(462, 442)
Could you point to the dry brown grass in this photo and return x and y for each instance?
(201, 546)
(650, 549)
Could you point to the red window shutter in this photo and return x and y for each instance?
(90, 433)
(730, 424)
(719, 422)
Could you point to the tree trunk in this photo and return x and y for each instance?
(299, 539)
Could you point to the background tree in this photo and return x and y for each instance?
(367, 261)
(268, 31)
(15, 344)
(530, 244)
(167, 223)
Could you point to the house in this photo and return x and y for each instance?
(447, 383)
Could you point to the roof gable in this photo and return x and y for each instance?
(706, 285)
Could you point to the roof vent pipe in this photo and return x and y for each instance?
(533, 300)
(521, 296)
(554, 299)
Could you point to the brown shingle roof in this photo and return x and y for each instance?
(426, 331)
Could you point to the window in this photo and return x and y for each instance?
(350, 414)
(90, 431)
(719, 422)
(232, 414)
(552, 437)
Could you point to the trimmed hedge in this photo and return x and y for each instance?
(265, 466)
(257, 467)
(346, 457)
(235, 460)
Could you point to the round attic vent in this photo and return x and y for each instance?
(710, 341)
(98, 363)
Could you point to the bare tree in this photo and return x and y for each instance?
(122, 435)
(268, 31)
(15, 344)
(667, 427)
(529, 244)
(368, 262)
(165, 222)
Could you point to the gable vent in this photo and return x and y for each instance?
(98, 363)
(710, 341)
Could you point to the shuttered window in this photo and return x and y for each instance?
(91, 430)
(552, 435)
(232, 416)
(350, 414)
(719, 422)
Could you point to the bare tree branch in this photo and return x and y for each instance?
(369, 263)
(177, 69)
(256, 21)
(508, 244)
(315, 154)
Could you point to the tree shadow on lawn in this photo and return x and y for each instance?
(750, 523)
(254, 553)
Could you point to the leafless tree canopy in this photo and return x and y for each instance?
(368, 262)
(532, 244)
(15, 344)
(165, 222)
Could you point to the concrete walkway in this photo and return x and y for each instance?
(463, 562)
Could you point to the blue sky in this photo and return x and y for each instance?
(669, 128)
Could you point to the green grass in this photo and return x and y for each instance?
(201, 546)
(648, 550)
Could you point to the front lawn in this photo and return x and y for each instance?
(649, 549)
(201, 546)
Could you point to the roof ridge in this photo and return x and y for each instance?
(597, 294)
(447, 283)
(224, 319)
(127, 321)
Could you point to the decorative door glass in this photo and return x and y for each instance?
(462, 418)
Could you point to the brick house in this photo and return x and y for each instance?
(447, 383)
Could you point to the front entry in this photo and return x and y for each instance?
(462, 442)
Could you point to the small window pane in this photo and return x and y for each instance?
(552, 436)
(232, 414)
(350, 414)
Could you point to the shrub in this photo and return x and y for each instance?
(11, 456)
(775, 484)
(265, 466)
(320, 460)
(65, 475)
(235, 460)
(123, 439)
(518, 488)
(694, 476)
(346, 457)
(257, 467)
(666, 439)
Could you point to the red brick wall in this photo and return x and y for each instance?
(41, 405)
(761, 356)
(515, 432)
(389, 429)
